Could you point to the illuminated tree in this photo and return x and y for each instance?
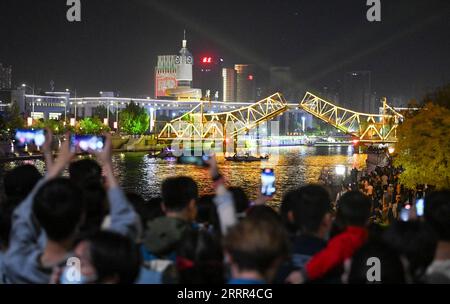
(56, 126)
(92, 125)
(424, 147)
(134, 119)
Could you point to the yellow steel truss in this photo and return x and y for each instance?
(372, 128)
(196, 124)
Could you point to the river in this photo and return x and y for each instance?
(294, 166)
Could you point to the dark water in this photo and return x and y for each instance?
(293, 167)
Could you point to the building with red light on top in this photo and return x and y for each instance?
(245, 83)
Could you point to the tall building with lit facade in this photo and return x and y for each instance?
(357, 92)
(173, 76)
(5, 77)
(165, 75)
(245, 83)
(229, 84)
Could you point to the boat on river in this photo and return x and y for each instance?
(246, 158)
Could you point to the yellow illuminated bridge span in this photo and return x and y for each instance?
(195, 124)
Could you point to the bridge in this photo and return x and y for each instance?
(210, 120)
(371, 128)
(196, 125)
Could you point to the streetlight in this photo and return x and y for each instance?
(32, 89)
(75, 92)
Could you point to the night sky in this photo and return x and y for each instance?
(116, 44)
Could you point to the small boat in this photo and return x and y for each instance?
(246, 158)
(163, 154)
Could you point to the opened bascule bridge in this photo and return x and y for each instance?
(364, 127)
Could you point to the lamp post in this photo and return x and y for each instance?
(32, 103)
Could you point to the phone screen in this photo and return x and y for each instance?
(420, 204)
(268, 182)
(87, 142)
(30, 137)
(404, 213)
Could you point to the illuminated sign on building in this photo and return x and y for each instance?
(165, 74)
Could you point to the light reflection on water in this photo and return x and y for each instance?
(295, 166)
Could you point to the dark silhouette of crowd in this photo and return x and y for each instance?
(84, 229)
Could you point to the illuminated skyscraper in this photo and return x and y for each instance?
(173, 75)
(245, 83)
(229, 84)
(184, 63)
(165, 75)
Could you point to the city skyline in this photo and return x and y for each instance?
(115, 46)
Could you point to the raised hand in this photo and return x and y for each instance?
(65, 155)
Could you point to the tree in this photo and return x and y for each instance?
(57, 126)
(423, 147)
(13, 118)
(440, 97)
(134, 119)
(92, 125)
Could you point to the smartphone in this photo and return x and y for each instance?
(30, 137)
(87, 142)
(404, 213)
(420, 205)
(268, 182)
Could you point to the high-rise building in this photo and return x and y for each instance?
(208, 76)
(184, 63)
(245, 83)
(357, 92)
(173, 76)
(5, 77)
(229, 84)
(165, 75)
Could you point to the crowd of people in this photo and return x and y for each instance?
(85, 229)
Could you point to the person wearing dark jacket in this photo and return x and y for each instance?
(353, 214)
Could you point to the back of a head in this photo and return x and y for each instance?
(200, 259)
(312, 203)
(263, 212)
(178, 192)
(85, 170)
(415, 241)
(240, 198)
(256, 245)
(353, 209)
(437, 213)
(58, 207)
(286, 210)
(96, 205)
(390, 269)
(114, 255)
(19, 182)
